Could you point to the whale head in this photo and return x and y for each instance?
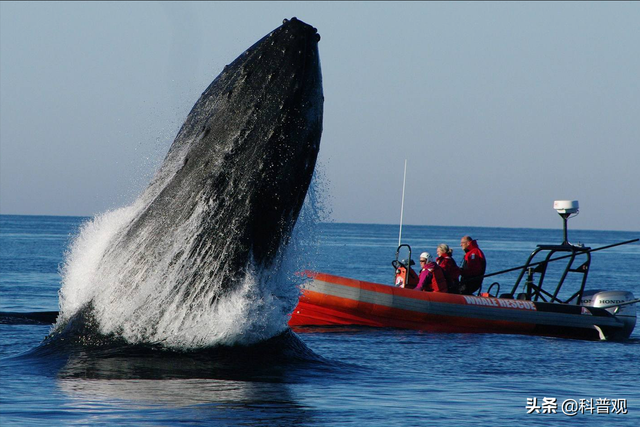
(225, 200)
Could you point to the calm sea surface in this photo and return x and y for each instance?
(333, 376)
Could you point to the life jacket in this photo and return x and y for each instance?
(451, 271)
(473, 268)
(474, 263)
(438, 281)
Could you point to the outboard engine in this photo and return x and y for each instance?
(612, 301)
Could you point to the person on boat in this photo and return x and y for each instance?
(431, 275)
(473, 266)
(449, 267)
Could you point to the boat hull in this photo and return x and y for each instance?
(334, 300)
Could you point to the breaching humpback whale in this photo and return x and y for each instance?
(221, 206)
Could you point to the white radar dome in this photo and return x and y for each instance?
(566, 206)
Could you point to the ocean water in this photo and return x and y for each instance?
(319, 376)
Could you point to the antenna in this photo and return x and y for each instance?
(404, 181)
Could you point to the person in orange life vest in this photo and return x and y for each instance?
(449, 266)
(473, 266)
(431, 275)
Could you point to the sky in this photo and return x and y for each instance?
(499, 108)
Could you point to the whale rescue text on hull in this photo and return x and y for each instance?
(229, 192)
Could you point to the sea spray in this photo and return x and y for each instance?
(258, 310)
(84, 256)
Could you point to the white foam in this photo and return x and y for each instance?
(85, 255)
(146, 300)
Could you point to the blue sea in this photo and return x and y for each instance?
(329, 376)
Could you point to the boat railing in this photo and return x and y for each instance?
(536, 292)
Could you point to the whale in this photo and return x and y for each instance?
(28, 318)
(220, 210)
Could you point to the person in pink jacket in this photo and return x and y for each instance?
(431, 275)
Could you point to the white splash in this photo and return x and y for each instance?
(160, 310)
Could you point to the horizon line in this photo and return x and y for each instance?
(374, 223)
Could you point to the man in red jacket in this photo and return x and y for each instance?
(473, 266)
